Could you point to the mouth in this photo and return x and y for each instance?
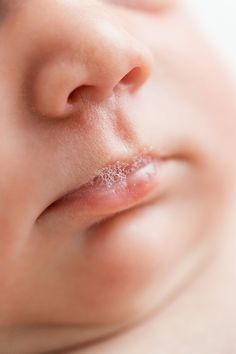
(114, 188)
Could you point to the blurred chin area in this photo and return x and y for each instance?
(217, 19)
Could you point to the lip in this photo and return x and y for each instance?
(114, 188)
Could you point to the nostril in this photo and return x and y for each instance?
(79, 93)
(131, 77)
(134, 78)
(75, 95)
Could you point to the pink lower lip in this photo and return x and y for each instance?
(116, 187)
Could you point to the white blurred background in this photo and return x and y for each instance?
(217, 18)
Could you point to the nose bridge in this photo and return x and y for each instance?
(84, 47)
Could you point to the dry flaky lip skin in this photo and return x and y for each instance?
(117, 174)
(117, 187)
(114, 187)
(119, 171)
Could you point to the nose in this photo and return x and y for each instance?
(83, 53)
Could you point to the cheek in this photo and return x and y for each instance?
(190, 99)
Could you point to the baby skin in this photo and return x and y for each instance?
(118, 181)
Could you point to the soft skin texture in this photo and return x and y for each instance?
(84, 84)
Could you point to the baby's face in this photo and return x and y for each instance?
(90, 88)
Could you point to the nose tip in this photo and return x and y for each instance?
(107, 59)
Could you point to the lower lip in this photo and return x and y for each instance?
(116, 187)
